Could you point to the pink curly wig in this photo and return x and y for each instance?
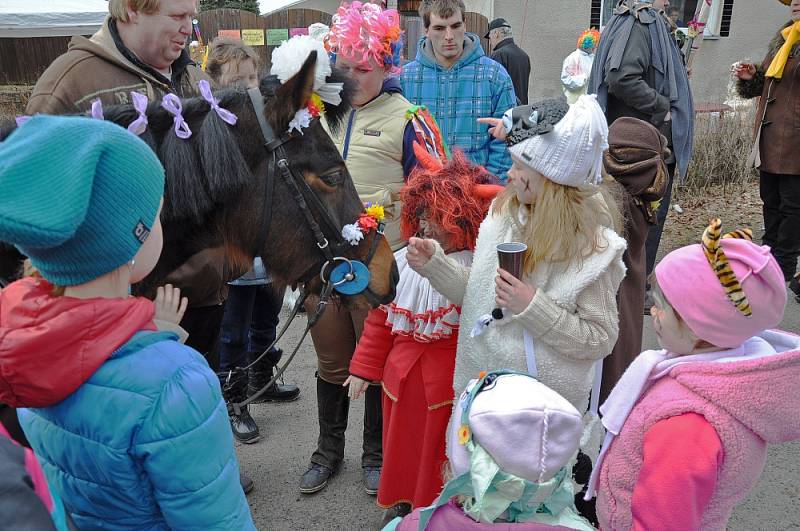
(362, 30)
(456, 197)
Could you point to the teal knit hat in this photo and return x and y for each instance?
(78, 196)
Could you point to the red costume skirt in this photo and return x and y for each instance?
(413, 444)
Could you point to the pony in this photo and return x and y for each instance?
(223, 189)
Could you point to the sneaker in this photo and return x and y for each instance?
(371, 477)
(246, 483)
(315, 478)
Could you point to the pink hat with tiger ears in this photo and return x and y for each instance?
(726, 289)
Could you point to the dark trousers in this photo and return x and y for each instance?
(654, 236)
(202, 325)
(249, 323)
(781, 197)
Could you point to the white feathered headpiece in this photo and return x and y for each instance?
(288, 58)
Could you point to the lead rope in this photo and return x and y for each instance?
(324, 300)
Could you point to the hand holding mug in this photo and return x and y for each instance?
(512, 293)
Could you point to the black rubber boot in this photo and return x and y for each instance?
(372, 457)
(333, 406)
(261, 373)
(234, 389)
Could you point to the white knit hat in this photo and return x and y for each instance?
(572, 152)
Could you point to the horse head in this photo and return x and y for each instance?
(227, 191)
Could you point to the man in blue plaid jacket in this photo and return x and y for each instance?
(458, 83)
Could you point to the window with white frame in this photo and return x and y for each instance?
(680, 11)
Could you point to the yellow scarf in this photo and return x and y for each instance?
(791, 35)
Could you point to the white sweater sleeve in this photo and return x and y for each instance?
(447, 276)
(588, 334)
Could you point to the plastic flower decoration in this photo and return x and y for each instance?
(368, 220)
(463, 435)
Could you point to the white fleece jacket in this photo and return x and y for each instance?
(572, 318)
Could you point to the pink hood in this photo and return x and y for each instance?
(759, 392)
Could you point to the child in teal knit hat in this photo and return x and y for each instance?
(129, 424)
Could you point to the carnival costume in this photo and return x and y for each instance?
(409, 346)
(688, 432)
(577, 66)
(510, 444)
(572, 318)
(379, 134)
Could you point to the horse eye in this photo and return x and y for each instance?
(333, 179)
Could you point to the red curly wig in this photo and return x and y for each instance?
(449, 198)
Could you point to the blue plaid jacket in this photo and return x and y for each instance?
(475, 87)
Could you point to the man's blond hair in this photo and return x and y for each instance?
(118, 9)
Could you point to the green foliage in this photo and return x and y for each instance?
(245, 5)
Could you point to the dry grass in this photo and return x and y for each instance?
(722, 145)
(13, 99)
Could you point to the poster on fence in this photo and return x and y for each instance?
(233, 34)
(253, 37)
(277, 36)
(293, 32)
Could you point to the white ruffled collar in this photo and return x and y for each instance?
(418, 310)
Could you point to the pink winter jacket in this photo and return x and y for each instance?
(749, 403)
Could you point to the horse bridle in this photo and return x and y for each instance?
(330, 242)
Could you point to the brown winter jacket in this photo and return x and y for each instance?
(97, 68)
(778, 115)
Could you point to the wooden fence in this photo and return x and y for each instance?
(22, 61)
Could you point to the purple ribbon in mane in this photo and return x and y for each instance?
(97, 110)
(205, 91)
(139, 125)
(21, 120)
(172, 104)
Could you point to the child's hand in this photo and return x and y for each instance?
(356, 388)
(170, 306)
(512, 293)
(420, 252)
(496, 129)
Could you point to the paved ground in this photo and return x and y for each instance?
(290, 430)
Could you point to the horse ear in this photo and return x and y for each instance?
(294, 94)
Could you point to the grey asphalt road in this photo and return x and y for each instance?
(289, 433)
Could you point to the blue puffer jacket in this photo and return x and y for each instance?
(144, 443)
(128, 424)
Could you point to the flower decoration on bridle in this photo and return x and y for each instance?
(362, 30)
(288, 58)
(369, 220)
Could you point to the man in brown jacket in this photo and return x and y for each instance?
(141, 47)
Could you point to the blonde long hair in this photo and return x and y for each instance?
(563, 222)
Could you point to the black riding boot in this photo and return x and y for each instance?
(333, 406)
(261, 373)
(372, 457)
(234, 389)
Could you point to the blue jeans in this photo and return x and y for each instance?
(249, 323)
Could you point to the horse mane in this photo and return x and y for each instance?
(203, 171)
(209, 168)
